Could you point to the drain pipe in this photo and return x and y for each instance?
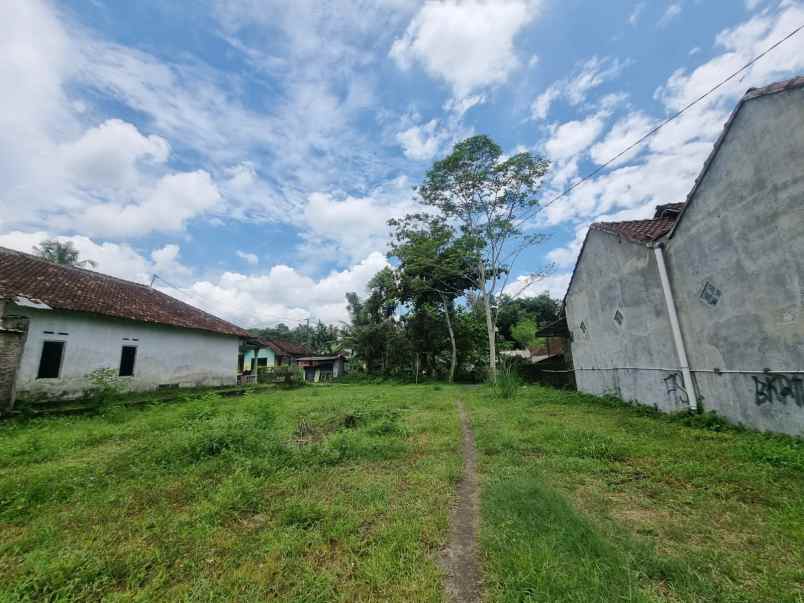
(692, 396)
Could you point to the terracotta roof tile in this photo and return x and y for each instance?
(81, 290)
(638, 230)
(281, 346)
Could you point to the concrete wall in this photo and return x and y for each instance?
(165, 355)
(743, 233)
(617, 275)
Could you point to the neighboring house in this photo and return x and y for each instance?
(60, 323)
(704, 303)
(323, 368)
(270, 352)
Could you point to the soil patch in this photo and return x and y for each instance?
(463, 583)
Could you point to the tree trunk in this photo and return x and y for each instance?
(417, 367)
(490, 326)
(454, 357)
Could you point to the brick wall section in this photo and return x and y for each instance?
(13, 332)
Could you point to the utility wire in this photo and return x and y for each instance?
(596, 171)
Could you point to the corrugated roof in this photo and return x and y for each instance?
(81, 290)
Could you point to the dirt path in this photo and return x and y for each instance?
(462, 583)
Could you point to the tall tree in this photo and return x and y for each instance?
(493, 199)
(65, 253)
(436, 266)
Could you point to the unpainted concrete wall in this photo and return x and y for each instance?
(618, 275)
(743, 233)
(165, 355)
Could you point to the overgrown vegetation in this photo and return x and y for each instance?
(588, 499)
(340, 493)
(313, 494)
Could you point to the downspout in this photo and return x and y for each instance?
(689, 387)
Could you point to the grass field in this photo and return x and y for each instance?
(341, 493)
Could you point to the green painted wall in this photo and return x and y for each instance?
(262, 353)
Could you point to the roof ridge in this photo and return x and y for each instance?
(77, 268)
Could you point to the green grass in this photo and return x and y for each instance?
(318, 494)
(587, 500)
(341, 493)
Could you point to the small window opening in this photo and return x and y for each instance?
(583, 327)
(127, 357)
(710, 294)
(262, 362)
(50, 361)
(618, 317)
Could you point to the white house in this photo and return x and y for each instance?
(60, 323)
(703, 305)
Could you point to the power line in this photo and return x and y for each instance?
(596, 171)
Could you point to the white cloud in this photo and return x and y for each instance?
(572, 137)
(622, 134)
(250, 258)
(553, 284)
(564, 257)
(469, 44)
(665, 168)
(695, 50)
(593, 73)
(541, 106)
(171, 202)
(117, 259)
(350, 228)
(422, 142)
(752, 4)
(283, 294)
(633, 18)
(166, 262)
(673, 11)
(587, 76)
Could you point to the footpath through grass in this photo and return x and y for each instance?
(589, 501)
(319, 494)
(341, 493)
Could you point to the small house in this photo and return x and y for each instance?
(323, 368)
(60, 324)
(269, 353)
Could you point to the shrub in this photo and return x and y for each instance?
(508, 381)
(105, 386)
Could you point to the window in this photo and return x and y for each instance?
(262, 362)
(710, 294)
(618, 317)
(50, 362)
(127, 357)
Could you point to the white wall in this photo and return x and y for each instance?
(165, 355)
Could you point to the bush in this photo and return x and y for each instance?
(106, 386)
(508, 381)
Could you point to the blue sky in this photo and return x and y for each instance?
(250, 152)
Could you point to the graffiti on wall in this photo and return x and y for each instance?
(778, 388)
(675, 389)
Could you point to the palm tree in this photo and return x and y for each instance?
(61, 253)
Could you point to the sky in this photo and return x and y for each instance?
(251, 152)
